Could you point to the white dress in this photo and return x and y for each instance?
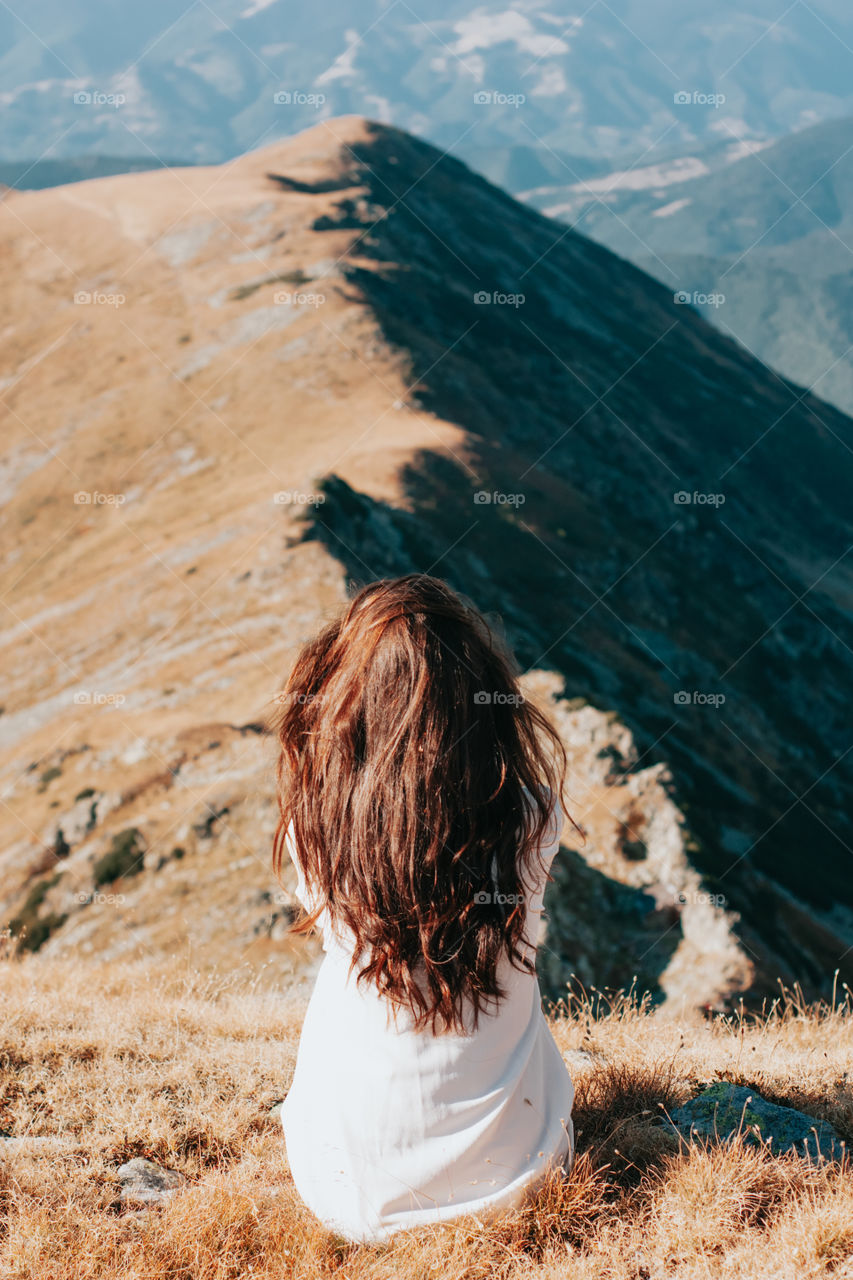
(387, 1127)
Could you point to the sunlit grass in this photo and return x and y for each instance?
(106, 1063)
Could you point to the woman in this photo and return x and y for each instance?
(419, 800)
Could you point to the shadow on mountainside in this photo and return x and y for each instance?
(603, 934)
(655, 514)
(500, 556)
(594, 414)
(495, 555)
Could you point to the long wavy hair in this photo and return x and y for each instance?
(415, 784)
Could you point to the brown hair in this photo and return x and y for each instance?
(417, 784)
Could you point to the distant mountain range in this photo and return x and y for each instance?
(763, 246)
(626, 119)
(513, 90)
(35, 175)
(229, 392)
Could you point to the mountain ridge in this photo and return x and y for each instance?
(302, 388)
(760, 246)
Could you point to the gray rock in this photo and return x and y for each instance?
(724, 1109)
(582, 1059)
(144, 1182)
(276, 924)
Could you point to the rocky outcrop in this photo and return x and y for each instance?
(725, 1110)
(627, 904)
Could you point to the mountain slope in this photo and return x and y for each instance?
(764, 246)
(281, 375)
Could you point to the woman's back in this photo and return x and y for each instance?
(419, 797)
(390, 1127)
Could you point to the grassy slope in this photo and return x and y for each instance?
(111, 1063)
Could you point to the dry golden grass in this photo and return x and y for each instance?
(107, 1063)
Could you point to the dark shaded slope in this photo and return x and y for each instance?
(721, 633)
(772, 235)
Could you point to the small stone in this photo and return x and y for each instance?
(722, 1110)
(144, 1182)
(582, 1060)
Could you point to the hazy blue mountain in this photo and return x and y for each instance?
(763, 246)
(202, 81)
(800, 186)
(35, 175)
